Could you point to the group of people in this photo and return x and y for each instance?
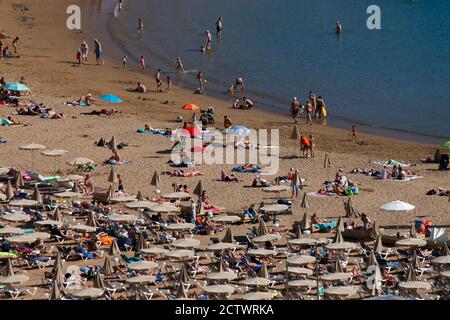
(83, 51)
(314, 107)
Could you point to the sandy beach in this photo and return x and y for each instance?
(47, 61)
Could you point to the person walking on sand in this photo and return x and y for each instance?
(14, 44)
(142, 63)
(78, 56)
(309, 111)
(338, 27)
(124, 62)
(208, 42)
(219, 26)
(354, 134)
(180, 67)
(140, 28)
(84, 51)
(295, 108)
(158, 81)
(295, 188)
(304, 146)
(98, 52)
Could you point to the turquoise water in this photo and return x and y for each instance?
(397, 77)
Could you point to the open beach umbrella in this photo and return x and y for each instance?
(239, 130)
(80, 161)
(156, 182)
(32, 147)
(16, 86)
(198, 190)
(190, 106)
(19, 180)
(111, 98)
(54, 154)
(228, 238)
(397, 207)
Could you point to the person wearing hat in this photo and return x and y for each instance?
(89, 100)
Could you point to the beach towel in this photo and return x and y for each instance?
(391, 163)
(115, 163)
(255, 169)
(404, 180)
(156, 132)
(82, 104)
(106, 241)
(322, 195)
(325, 225)
(182, 164)
(184, 174)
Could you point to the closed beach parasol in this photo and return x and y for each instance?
(190, 106)
(16, 86)
(19, 180)
(295, 135)
(198, 190)
(156, 182)
(9, 191)
(397, 207)
(36, 196)
(32, 147)
(111, 98)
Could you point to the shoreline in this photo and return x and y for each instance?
(215, 90)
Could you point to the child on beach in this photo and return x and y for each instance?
(142, 63)
(78, 57)
(14, 44)
(124, 62)
(354, 134)
(169, 84)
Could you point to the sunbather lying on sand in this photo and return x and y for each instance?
(15, 122)
(230, 178)
(439, 191)
(182, 173)
(83, 101)
(101, 112)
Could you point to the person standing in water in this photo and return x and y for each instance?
(338, 27)
(124, 62)
(201, 80)
(208, 40)
(158, 80)
(142, 63)
(180, 67)
(239, 85)
(140, 28)
(120, 5)
(98, 52)
(219, 25)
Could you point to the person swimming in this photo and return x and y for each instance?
(338, 27)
